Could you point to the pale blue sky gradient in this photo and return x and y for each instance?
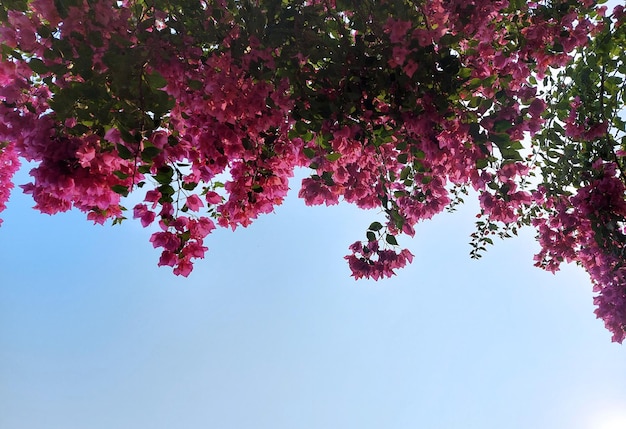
(270, 331)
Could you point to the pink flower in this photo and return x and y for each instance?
(183, 268)
(424, 38)
(141, 212)
(167, 259)
(85, 155)
(213, 198)
(159, 139)
(398, 56)
(165, 239)
(194, 202)
(114, 136)
(397, 29)
(201, 227)
(537, 107)
(194, 249)
(315, 193)
(410, 68)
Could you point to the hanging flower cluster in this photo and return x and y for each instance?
(206, 108)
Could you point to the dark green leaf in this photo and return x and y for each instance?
(156, 80)
(195, 85)
(308, 152)
(391, 240)
(375, 226)
(38, 66)
(124, 152)
(120, 175)
(149, 153)
(502, 126)
(120, 189)
(481, 163)
(164, 175)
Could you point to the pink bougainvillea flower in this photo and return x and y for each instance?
(194, 202)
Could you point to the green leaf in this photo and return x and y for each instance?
(120, 189)
(156, 80)
(308, 152)
(327, 177)
(501, 140)
(370, 236)
(166, 191)
(375, 226)
(481, 163)
(95, 39)
(149, 153)
(391, 240)
(120, 175)
(333, 156)
(38, 66)
(501, 126)
(195, 85)
(124, 152)
(301, 128)
(164, 175)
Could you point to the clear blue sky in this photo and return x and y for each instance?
(270, 332)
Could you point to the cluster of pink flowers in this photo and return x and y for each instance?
(430, 150)
(588, 228)
(507, 203)
(367, 260)
(71, 175)
(73, 170)
(580, 127)
(9, 164)
(466, 68)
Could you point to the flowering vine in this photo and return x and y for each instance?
(206, 108)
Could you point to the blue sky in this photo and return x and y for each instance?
(270, 331)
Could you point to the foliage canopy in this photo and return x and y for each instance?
(205, 107)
